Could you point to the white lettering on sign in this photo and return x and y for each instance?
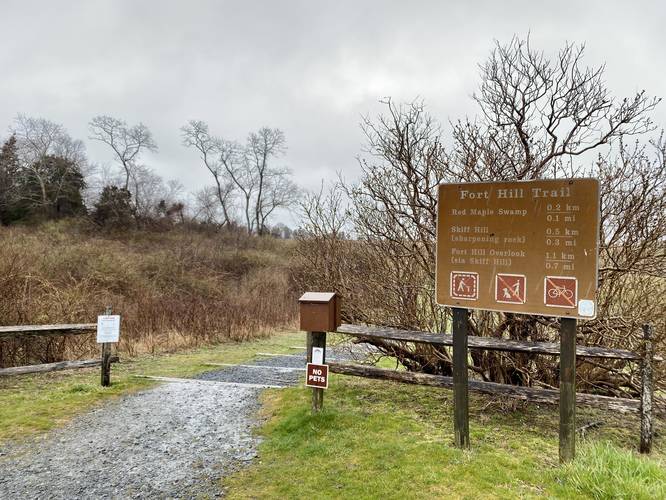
(512, 193)
(316, 376)
(108, 329)
(318, 355)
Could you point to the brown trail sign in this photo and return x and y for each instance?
(525, 247)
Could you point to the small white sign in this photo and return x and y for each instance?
(586, 308)
(318, 355)
(108, 329)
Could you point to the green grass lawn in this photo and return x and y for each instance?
(378, 439)
(32, 404)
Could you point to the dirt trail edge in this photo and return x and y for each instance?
(174, 441)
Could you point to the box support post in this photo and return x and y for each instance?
(317, 339)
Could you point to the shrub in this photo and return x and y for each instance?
(114, 208)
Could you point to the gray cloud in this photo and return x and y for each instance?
(310, 68)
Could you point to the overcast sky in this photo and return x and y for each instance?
(310, 68)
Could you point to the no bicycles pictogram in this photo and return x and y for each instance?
(464, 285)
(560, 291)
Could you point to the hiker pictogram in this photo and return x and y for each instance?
(560, 291)
(464, 285)
(510, 288)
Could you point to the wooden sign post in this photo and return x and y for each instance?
(108, 332)
(460, 389)
(524, 247)
(317, 358)
(567, 389)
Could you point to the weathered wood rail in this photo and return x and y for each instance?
(489, 343)
(535, 395)
(22, 331)
(642, 406)
(52, 367)
(7, 332)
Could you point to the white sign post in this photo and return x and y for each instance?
(108, 329)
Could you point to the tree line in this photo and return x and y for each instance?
(46, 174)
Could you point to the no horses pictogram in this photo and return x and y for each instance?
(464, 285)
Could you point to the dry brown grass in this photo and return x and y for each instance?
(174, 289)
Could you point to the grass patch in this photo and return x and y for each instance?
(378, 439)
(603, 470)
(32, 404)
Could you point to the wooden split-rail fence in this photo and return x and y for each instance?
(642, 406)
(23, 331)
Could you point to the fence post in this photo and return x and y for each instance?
(460, 389)
(106, 358)
(317, 339)
(567, 389)
(647, 391)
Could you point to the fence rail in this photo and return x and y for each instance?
(52, 367)
(7, 332)
(531, 394)
(490, 343)
(22, 331)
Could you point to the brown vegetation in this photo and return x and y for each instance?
(174, 289)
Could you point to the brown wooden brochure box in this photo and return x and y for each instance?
(320, 311)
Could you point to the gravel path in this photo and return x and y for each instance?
(174, 441)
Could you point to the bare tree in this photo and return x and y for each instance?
(206, 207)
(538, 114)
(127, 143)
(246, 171)
(216, 155)
(38, 138)
(152, 195)
(273, 187)
(323, 213)
(148, 189)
